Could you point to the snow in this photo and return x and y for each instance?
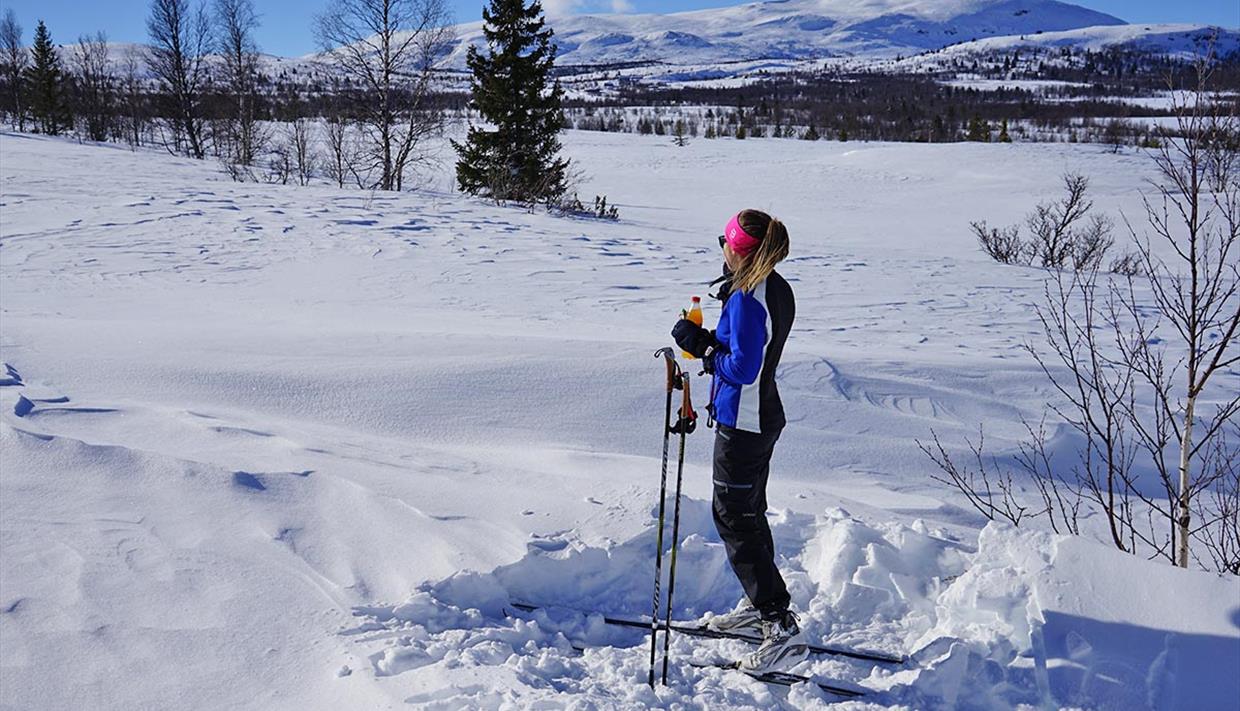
(312, 442)
(727, 46)
(1034, 85)
(794, 29)
(1169, 38)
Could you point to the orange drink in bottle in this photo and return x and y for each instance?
(694, 314)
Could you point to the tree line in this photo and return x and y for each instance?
(198, 90)
(940, 107)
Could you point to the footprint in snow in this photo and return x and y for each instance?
(10, 376)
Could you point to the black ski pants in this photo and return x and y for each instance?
(741, 467)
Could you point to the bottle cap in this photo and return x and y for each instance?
(697, 299)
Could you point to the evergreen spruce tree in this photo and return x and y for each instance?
(979, 130)
(678, 134)
(811, 134)
(1004, 137)
(518, 157)
(47, 85)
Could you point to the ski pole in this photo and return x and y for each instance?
(673, 371)
(685, 425)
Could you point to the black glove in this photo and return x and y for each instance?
(693, 338)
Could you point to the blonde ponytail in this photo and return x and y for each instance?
(771, 250)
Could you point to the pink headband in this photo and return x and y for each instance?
(738, 239)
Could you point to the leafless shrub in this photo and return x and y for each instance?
(1096, 385)
(280, 161)
(1111, 351)
(572, 206)
(1060, 236)
(239, 173)
(1055, 241)
(1003, 245)
(1091, 244)
(1062, 496)
(1127, 264)
(988, 487)
(1218, 512)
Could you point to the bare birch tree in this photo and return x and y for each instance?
(338, 161)
(387, 49)
(300, 144)
(236, 21)
(94, 93)
(1136, 362)
(180, 39)
(1194, 217)
(16, 59)
(134, 100)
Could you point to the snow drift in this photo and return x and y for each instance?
(1026, 618)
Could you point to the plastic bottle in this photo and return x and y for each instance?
(694, 314)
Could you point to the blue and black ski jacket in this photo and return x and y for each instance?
(753, 328)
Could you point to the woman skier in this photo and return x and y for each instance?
(742, 354)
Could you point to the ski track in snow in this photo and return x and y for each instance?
(312, 441)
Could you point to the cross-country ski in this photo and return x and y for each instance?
(701, 630)
(787, 679)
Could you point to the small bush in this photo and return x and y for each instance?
(1128, 264)
(1003, 245)
(575, 208)
(1062, 234)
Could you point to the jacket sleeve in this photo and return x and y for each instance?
(742, 361)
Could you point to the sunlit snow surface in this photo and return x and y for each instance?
(281, 447)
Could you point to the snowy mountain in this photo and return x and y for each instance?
(731, 41)
(1165, 38)
(788, 29)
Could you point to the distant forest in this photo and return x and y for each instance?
(1084, 104)
(1067, 95)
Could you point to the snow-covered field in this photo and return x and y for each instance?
(285, 448)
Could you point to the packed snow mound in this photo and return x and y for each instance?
(1025, 618)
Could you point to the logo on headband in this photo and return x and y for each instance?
(738, 239)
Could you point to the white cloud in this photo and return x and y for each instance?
(559, 8)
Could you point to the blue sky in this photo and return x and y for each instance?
(286, 23)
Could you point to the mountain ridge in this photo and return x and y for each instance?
(796, 29)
